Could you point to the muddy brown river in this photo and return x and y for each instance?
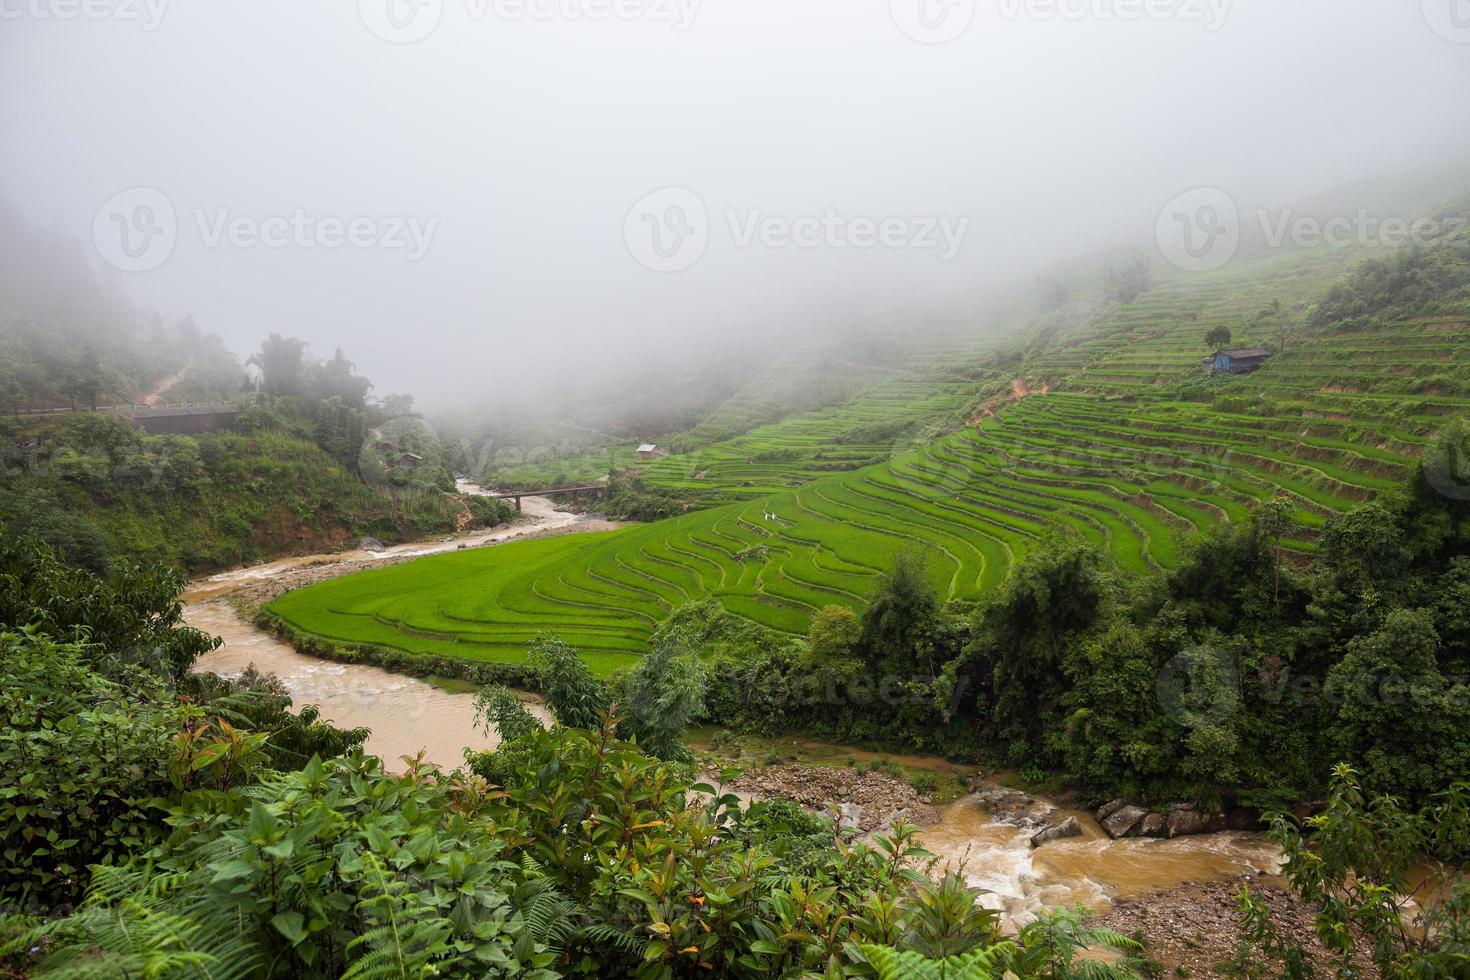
(1093, 869)
(408, 716)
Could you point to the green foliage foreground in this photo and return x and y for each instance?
(161, 824)
(597, 861)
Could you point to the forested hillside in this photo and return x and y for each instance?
(313, 462)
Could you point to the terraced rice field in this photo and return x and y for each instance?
(898, 413)
(1133, 450)
(1134, 479)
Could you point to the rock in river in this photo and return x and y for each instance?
(1057, 831)
(1125, 822)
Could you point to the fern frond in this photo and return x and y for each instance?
(894, 964)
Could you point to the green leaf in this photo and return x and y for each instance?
(233, 871)
(291, 925)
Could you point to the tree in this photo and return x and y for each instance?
(1025, 633)
(133, 618)
(499, 711)
(898, 620)
(1273, 520)
(84, 380)
(1361, 867)
(833, 639)
(1218, 337)
(665, 695)
(1274, 315)
(396, 406)
(1398, 717)
(11, 394)
(575, 698)
(1127, 284)
(282, 365)
(337, 378)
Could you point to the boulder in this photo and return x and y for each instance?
(1108, 809)
(1057, 831)
(1183, 822)
(1153, 825)
(849, 816)
(370, 544)
(1013, 807)
(1125, 822)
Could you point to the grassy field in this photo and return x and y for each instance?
(1108, 429)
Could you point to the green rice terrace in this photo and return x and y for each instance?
(971, 452)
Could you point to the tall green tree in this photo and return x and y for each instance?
(664, 696)
(282, 364)
(575, 698)
(1024, 635)
(1399, 719)
(895, 636)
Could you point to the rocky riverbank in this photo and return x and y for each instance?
(1196, 930)
(1119, 818)
(871, 802)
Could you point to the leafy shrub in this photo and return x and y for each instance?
(335, 870)
(82, 764)
(133, 619)
(1358, 862)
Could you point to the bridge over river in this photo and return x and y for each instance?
(593, 489)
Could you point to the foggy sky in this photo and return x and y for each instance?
(526, 142)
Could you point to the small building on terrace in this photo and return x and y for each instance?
(647, 451)
(1242, 360)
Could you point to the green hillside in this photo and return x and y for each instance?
(970, 450)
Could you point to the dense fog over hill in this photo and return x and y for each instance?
(482, 200)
